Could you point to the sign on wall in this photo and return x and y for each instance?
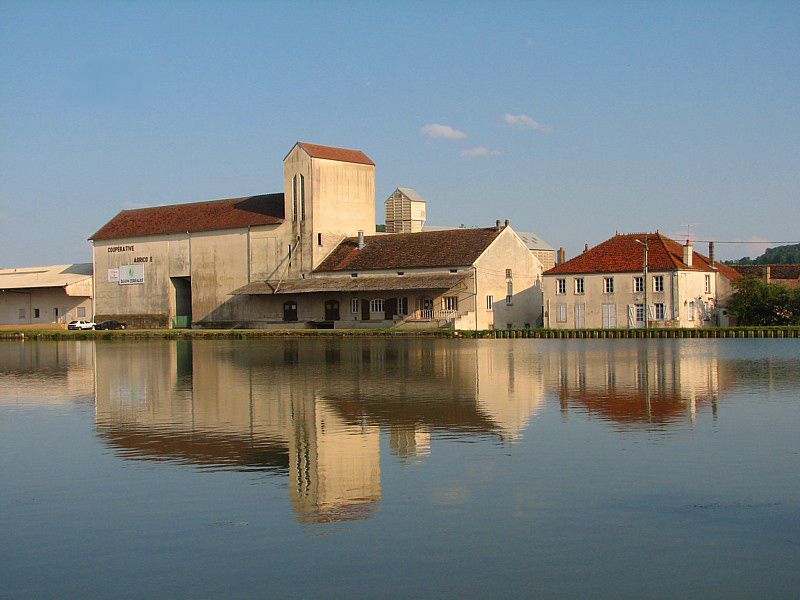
(113, 275)
(131, 274)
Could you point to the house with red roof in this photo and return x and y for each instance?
(637, 280)
(308, 257)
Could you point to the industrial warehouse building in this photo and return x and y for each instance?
(33, 297)
(309, 257)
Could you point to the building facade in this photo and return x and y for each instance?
(296, 259)
(608, 286)
(46, 296)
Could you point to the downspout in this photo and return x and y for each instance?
(248, 254)
(475, 269)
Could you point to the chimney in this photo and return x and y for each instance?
(586, 247)
(497, 225)
(508, 222)
(711, 254)
(562, 255)
(687, 254)
(360, 239)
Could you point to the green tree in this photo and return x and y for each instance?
(757, 303)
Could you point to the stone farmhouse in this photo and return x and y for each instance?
(608, 286)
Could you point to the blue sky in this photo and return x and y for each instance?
(571, 119)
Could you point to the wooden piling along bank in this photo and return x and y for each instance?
(711, 332)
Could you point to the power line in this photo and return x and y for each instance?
(740, 242)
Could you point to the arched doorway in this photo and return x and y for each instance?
(290, 310)
(331, 310)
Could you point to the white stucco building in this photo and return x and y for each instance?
(607, 286)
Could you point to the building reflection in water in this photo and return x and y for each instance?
(310, 410)
(314, 411)
(639, 384)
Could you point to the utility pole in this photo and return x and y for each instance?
(644, 281)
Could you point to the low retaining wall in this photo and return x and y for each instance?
(722, 332)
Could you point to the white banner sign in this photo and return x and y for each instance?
(113, 275)
(131, 274)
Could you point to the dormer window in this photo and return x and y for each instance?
(353, 274)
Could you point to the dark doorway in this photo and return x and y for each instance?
(183, 301)
(365, 310)
(331, 310)
(290, 311)
(390, 306)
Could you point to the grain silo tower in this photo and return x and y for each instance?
(405, 211)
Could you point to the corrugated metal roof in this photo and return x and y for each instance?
(411, 194)
(533, 241)
(364, 283)
(44, 277)
(450, 248)
(265, 209)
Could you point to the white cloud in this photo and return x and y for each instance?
(526, 122)
(435, 130)
(476, 152)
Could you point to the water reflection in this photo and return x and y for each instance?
(633, 385)
(316, 411)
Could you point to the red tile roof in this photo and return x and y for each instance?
(450, 248)
(331, 153)
(625, 253)
(195, 216)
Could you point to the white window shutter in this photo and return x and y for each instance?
(651, 312)
(631, 316)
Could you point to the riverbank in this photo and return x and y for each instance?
(709, 332)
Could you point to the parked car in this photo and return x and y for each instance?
(80, 324)
(110, 325)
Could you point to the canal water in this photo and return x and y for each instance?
(381, 467)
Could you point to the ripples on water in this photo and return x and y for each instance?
(452, 449)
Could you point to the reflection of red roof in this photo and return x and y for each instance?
(625, 253)
(631, 407)
(194, 216)
(449, 248)
(340, 154)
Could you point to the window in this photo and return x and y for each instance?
(319, 239)
(402, 306)
(661, 312)
(561, 313)
(509, 326)
(302, 198)
(354, 305)
(640, 313)
(21, 313)
(290, 255)
(81, 312)
(35, 313)
(489, 302)
(509, 293)
(708, 284)
(658, 283)
(451, 302)
(638, 284)
(376, 305)
(401, 272)
(579, 285)
(294, 197)
(608, 285)
(691, 311)
(454, 270)
(508, 273)
(561, 286)
(353, 274)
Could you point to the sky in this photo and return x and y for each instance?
(573, 120)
